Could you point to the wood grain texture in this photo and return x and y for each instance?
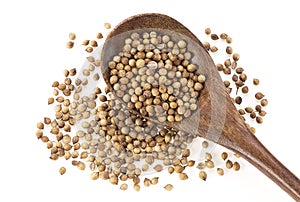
(218, 120)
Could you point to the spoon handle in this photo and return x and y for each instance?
(262, 159)
(237, 137)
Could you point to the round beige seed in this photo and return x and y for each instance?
(203, 175)
(168, 187)
(62, 170)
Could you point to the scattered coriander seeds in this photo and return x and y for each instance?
(137, 73)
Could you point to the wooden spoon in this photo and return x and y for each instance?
(217, 119)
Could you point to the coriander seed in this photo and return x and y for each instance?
(89, 49)
(223, 36)
(214, 36)
(85, 42)
(213, 49)
(107, 25)
(224, 155)
(229, 40)
(183, 176)
(236, 56)
(259, 95)
(229, 50)
(72, 36)
(62, 170)
(245, 89)
(220, 171)
(259, 119)
(236, 166)
(256, 81)
(124, 187)
(99, 35)
(208, 31)
(70, 44)
(204, 144)
(264, 102)
(203, 175)
(154, 180)
(238, 100)
(168, 187)
(94, 175)
(40, 125)
(229, 164)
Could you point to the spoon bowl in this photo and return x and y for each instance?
(216, 119)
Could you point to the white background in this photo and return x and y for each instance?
(32, 51)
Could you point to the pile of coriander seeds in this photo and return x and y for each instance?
(96, 131)
(154, 76)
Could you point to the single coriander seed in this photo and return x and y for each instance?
(220, 171)
(214, 36)
(72, 36)
(107, 25)
(259, 95)
(256, 81)
(62, 170)
(208, 31)
(203, 175)
(168, 187)
(264, 102)
(236, 166)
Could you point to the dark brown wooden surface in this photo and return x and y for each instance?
(226, 128)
